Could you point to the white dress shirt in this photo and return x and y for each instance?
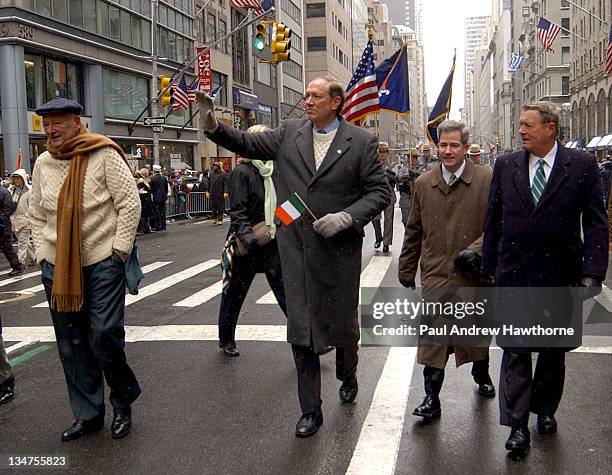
(447, 174)
(549, 161)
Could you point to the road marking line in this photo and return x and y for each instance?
(146, 269)
(15, 347)
(371, 277)
(5, 271)
(28, 355)
(379, 442)
(605, 298)
(202, 296)
(18, 278)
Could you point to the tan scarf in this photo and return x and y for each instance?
(67, 290)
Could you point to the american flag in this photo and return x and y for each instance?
(362, 92)
(180, 94)
(302, 103)
(193, 87)
(254, 4)
(609, 54)
(547, 32)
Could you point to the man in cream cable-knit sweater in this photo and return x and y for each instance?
(84, 210)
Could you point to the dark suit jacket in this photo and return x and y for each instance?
(159, 188)
(529, 246)
(321, 276)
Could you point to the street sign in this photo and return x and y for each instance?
(158, 129)
(150, 121)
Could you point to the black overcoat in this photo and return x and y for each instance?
(321, 275)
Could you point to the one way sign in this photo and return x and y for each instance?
(150, 121)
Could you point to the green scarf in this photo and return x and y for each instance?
(265, 170)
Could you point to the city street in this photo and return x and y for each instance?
(202, 412)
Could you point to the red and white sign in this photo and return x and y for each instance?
(204, 70)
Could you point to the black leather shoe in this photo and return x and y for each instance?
(377, 244)
(309, 424)
(385, 248)
(348, 391)
(229, 349)
(429, 408)
(122, 422)
(518, 439)
(82, 427)
(547, 424)
(16, 271)
(7, 390)
(486, 390)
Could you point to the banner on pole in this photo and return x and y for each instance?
(204, 70)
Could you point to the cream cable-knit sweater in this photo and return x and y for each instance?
(321, 143)
(111, 206)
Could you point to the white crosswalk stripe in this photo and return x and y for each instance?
(202, 296)
(371, 277)
(18, 278)
(145, 270)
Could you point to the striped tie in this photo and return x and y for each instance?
(539, 182)
(452, 180)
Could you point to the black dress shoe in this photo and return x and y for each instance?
(326, 350)
(16, 271)
(385, 248)
(429, 408)
(7, 390)
(377, 244)
(309, 424)
(518, 439)
(348, 391)
(229, 349)
(122, 422)
(486, 390)
(547, 424)
(82, 427)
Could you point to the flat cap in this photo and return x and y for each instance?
(60, 105)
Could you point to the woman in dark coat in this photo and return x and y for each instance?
(218, 189)
(144, 191)
(251, 202)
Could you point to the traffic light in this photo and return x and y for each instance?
(280, 42)
(497, 141)
(260, 36)
(164, 85)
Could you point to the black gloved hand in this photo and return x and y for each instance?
(409, 284)
(592, 287)
(468, 262)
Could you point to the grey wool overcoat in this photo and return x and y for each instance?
(321, 275)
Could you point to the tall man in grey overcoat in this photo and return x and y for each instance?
(333, 166)
(546, 227)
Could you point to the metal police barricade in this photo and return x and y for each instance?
(197, 204)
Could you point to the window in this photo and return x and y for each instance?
(291, 96)
(126, 28)
(565, 24)
(565, 82)
(47, 79)
(89, 13)
(102, 17)
(124, 95)
(316, 43)
(293, 69)
(315, 10)
(60, 10)
(211, 29)
(565, 55)
(218, 78)
(264, 75)
(296, 42)
(565, 5)
(222, 33)
(292, 10)
(75, 10)
(115, 28)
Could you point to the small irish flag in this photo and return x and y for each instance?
(291, 209)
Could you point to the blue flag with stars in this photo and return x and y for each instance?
(392, 82)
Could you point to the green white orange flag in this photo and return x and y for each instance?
(291, 209)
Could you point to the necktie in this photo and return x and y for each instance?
(539, 182)
(452, 180)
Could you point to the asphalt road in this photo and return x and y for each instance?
(201, 412)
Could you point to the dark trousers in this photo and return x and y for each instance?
(5, 365)
(387, 237)
(309, 373)
(244, 269)
(91, 342)
(159, 215)
(434, 377)
(6, 241)
(144, 225)
(521, 393)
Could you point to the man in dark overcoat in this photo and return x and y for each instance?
(159, 193)
(218, 192)
(444, 234)
(541, 200)
(333, 166)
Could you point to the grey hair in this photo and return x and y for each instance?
(449, 126)
(548, 111)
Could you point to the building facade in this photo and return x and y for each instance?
(473, 29)
(99, 54)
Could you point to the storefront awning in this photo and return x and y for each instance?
(593, 143)
(605, 142)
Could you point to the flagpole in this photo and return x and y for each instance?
(565, 29)
(588, 12)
